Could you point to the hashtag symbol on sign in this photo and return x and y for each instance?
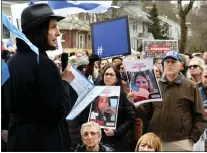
(100, 50)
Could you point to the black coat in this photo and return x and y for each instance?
(38, 104)
(102, 147)
(4, 118)
(125, 122)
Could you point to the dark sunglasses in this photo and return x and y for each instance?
(110, 74)
(194, 66)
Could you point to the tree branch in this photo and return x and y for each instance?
(180, 9)
(189, 7)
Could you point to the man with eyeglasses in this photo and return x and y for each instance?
(91, 137)
(179, 120)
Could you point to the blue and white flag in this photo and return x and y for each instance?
(73, 7)
(5, 73)
(9, 44)
(12, 28)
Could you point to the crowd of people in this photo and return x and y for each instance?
(38, 96)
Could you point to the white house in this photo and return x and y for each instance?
(138, 23)
(174, 28)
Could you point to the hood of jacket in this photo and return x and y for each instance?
(178, 80)
(103, 148)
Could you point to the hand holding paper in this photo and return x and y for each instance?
(4, 135)
(142, 93)
(139, 95)
(131, 96)
(109, 131)
(67, 74)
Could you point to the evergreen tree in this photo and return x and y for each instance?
(156, 28)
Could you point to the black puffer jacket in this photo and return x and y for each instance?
(103, 148)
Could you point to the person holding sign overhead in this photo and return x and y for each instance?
(35, 92)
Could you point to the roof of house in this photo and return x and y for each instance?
(72, 22)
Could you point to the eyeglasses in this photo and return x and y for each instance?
(194, 66)
(110, 74)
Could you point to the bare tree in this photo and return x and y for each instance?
(197, 39)
(183, 12)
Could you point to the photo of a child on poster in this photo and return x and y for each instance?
(104, 108)
(142, 81)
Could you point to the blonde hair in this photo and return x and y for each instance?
(151, 140)
(200, 61)
(201, 64)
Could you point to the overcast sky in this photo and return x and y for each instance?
(185, 2)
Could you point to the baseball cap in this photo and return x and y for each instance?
(172, 54)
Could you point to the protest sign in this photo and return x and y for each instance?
(158, 48)
(84, 101)
(86, 91)
(108, 40)
(104, 109)
(142, 80)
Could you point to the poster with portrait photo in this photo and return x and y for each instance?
(142, 80)
(104, 108)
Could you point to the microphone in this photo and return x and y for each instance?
(64, 60)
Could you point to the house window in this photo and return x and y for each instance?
(81, 16)
(143, 27)
(81, 41)
(134, 26)
(134, 43)
(89, 41)
(6, 33)
(137, 45)
(19, 24)
(62, 37)
(139, 27)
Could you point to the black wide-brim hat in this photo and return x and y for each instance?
(37, 14)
